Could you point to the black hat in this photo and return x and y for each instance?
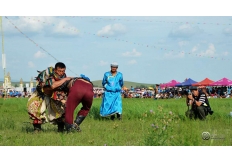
(193, 88)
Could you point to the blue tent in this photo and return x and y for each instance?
(187, 82)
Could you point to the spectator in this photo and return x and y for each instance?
(112, 102)
(200, 105)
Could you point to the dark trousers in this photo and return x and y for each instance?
(80, 92)
(200, 112)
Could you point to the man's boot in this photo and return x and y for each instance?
(37, 127)
(60, 126)
(112, 117)
(78, 121)
(119, 116)
(69, 127)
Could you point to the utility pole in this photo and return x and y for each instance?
(3, 60)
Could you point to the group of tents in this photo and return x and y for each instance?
(191, 82)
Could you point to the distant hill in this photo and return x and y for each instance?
(97, 83)
(128, 84)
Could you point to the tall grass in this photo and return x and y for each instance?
(146, 122)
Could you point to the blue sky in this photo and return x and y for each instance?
(148, 49)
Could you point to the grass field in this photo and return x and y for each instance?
(146, 122)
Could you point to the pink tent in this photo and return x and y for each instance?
(222, 82)
(172, 83)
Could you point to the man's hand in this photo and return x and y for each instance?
(190, 97)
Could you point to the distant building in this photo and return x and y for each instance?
(7, 81)
(7, 85)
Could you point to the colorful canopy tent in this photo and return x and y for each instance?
(205, 82)
(222, 82)
(172, 83)
(150, 88)
(187, 82)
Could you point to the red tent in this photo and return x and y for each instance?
(222, 82)
(172, 83)
(205, 82)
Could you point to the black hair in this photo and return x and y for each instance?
(60, 65)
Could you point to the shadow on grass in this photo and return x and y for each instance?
(27, 127)
(95, 114)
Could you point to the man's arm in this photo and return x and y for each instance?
(121, 81)
(104, 80)
(58, 83)
(198, 103)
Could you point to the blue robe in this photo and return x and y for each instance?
(111, 101)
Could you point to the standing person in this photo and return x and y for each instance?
(49, 97)
(112, 101)
(80, 91)
(199, 104)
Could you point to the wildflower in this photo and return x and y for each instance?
(170, 112)
(151, 111)
(152, 125)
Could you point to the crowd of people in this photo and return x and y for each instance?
(167, 93)
(159, 93)
(13, 93)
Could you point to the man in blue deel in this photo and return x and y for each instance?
(112, 100)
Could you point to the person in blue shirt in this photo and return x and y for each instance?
(112, 101)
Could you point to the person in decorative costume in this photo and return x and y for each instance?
(112, 102)
(47, 103)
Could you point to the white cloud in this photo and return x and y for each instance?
(64, 28)
(161, 41)
(111, 30)
(38, 24)
(226, 53)
(39, 54)
(134, 53)
(194, 49)
(31, 64)
(182, 43)
(170, 55)
(210, 51)
(185, 30)
(132, 62)
(103, 63)
(228, 31)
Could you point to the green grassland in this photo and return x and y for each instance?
(146, 122)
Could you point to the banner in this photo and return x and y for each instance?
(3, 61)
